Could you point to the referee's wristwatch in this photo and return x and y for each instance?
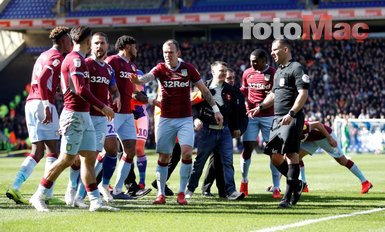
(292, 113)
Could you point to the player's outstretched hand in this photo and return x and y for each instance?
(108, 112)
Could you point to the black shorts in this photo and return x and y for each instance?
(287, 138)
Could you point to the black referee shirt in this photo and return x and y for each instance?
(288, 80)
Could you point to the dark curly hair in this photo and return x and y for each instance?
(57, 33)
(123, 40)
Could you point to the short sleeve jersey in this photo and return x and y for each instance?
(124, 69)
(288, 80)
(175, 88)
(75, 83)
(308, 134)
(255, 87)
(101, 78)
(50, 61)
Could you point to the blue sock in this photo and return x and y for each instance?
(141, 162)
(185, 171)
(48, 162)
(122, 173)
(109, 165)
(74, 177)
(81, 191)
(93, 195)
(357, 172)
(24, 172)
(245, 165)
(161, 178)
(276, 176)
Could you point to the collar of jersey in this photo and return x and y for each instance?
(173, 69)
(263, 71)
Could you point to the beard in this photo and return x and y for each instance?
(100, 55)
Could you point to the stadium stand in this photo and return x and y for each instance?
(350, 4)
(241, 5)
(116, 7)
(21, 9)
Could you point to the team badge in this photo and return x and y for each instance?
(306, 78)
(184, 72)
(267, 77)
(56, 62)
(133, 68)
(69, 147)
(281, 82)
(77, 62)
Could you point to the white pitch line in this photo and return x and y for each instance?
(312, 221)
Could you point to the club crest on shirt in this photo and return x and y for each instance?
(77, 62)
(184, 72)
(69, 147)
(267, 77)
(133, 68)
(281, 82)
(56, 62)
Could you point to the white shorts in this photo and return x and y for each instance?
(171, 128)
(78, 132)
(34, 116)
(100, 125)
(142, 128)
(125, 126)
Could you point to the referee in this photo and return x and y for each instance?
(289, 94)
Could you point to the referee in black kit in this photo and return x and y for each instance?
(289, 94)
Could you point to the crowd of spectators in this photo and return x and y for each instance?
(347, 77)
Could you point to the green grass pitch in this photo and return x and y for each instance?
(334, 191)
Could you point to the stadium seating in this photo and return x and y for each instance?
(351, 4)
(241, 5)
(21, 9)
(113, 7)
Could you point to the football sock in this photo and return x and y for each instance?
(44, 186)
(185, 171)
(355, 170)
(161, 177)
(93, 192)
(24, 172)
(50, 158)
(74, 176)
(276, 176)
(109, 165)
(81, 191)
(245, 165)
(141, 162)
(122, 173)
(292, 180)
